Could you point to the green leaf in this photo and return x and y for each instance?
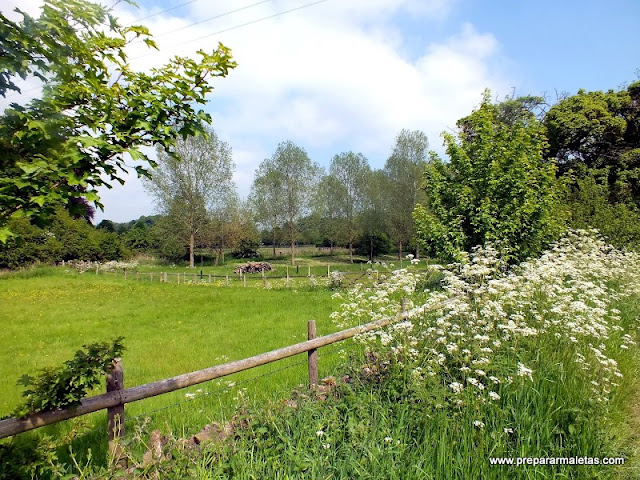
(40, 199)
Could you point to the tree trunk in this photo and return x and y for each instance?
(371, 248)
(400, 250)
(274, 240)
(293, 245)
(192, 242)
(351, 249)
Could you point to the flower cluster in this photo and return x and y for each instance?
(367, 303)
(485, 312)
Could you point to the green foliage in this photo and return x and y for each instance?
(191, 184)
(404, 170)
(600, 132)
(373, 244)
(375, 224)
(26, 459)
(66, 386)
(283, 188)
(95, 107)
(590, 208)
(64, 239)
(595, 137)
(341, 196)
(495, 188)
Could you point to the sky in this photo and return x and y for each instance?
(340, 75)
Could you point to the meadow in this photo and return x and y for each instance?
(46, 314)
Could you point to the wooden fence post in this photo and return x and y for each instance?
(244, 279)
(227, 280)
(115, 415)
(309, 274)
(209, 278)
(403, 303)
(264, 279)
(328, 270)
(312, 357)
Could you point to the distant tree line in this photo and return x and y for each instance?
(516, 173)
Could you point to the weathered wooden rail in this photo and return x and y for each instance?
(117, 396)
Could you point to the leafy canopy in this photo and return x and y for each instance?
(495, 188)
(598, 133)
(94, 109)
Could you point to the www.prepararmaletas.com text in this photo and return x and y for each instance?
(518, 461)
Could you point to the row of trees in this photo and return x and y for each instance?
(348, 205)
(515, 176)
(291, 199)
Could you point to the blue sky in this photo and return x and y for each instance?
(349, 75)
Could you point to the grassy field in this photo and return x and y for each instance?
(47, 314)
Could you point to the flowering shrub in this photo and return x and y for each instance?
(485, 328)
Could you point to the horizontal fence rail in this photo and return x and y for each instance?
(117, 396)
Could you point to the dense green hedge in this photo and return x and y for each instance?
(65, 239)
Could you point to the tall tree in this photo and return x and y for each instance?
(327, 208)
(266, 200)
(290, 178)
(404, 170)
(348, 175)
(375, 224)
(598, 134)
(192, 180)
(95, 107)
(497, 188)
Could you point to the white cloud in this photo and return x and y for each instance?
(332, 77)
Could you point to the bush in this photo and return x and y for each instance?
(496, 187)
(590, 208)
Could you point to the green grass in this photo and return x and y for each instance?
(169, 329)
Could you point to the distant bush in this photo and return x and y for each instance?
(590, 207)
(65, 239)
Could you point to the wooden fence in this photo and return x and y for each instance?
(117, 396)
(244, 279)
